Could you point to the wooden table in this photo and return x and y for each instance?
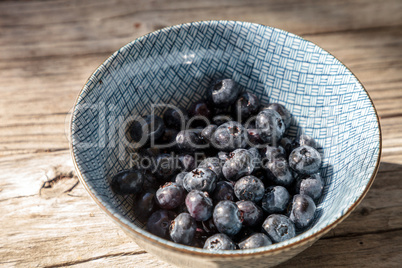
(49, 48)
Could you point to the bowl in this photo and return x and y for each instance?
(175, 65)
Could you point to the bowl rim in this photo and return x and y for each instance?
(224, 253)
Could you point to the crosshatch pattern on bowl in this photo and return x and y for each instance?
(176, 65)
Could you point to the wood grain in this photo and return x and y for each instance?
(64, 230)
(49, 48)
(37, 109)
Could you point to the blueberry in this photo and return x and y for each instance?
(227, 217)
(199, 205)
(278, 172)
(255, 241)
(252, 214)
(249, 188)
(175, 118)
(200, 114)
(182, 229)
(145, 205)
(202, 179)
(180, 178)
(229, 136)
(279, 228)
(275, 200)
(302, 211)
(150, 182)
(200, 108)
(254, 137)
(305, 160)
(187, 162)
(271, 152)
(271, 126)
(165, 167)
(239, 164)
(214, 164)
(189, 141)
(145, 158)
(307, 140)
(287, 144)
(170, 195)
(208, 131)
(223, 191)
(145, 129)
(255, 158)
(223, 156)
(310, 185)
(223, 92)
(127, 182)
(221, 119)
(282, 111)
(168, 137)
(219, 242)
(246, 105)
(159, 222)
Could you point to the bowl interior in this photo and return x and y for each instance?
(175, 65)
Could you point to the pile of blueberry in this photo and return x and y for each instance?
(222, 175)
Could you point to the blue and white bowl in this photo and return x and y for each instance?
(175, 65)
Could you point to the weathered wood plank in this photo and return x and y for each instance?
(73, 27)
(378, 211)
(369, 250)
(32, 224)
(332, 15)
(49, 48)
(41, 230)
(37, 110)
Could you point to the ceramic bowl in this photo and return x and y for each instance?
(175, 65)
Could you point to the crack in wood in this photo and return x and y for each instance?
(391, 115)
(362, 29)
(71, 263)
(17, 197)
(350, 235)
